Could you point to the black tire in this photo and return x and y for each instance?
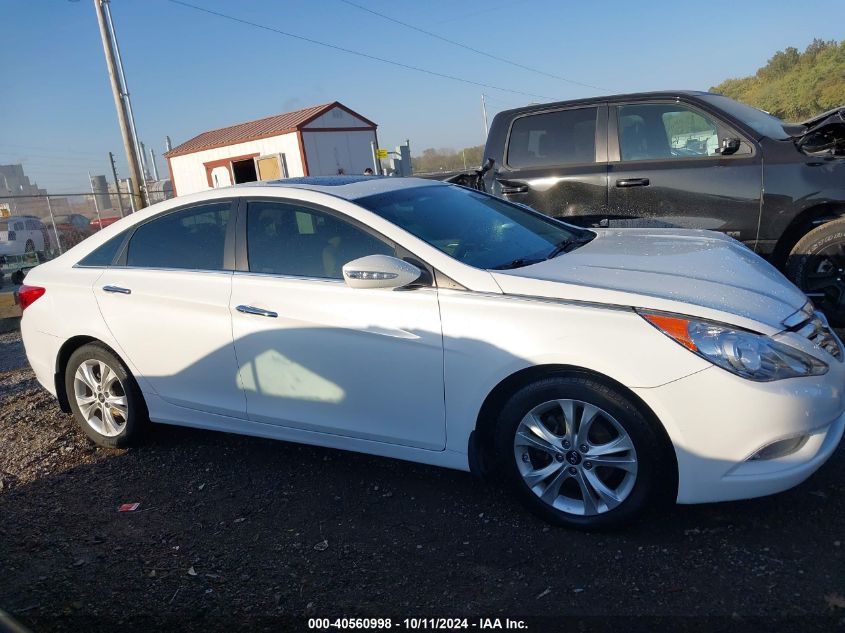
(29, 247)
(817, 264)
(655, 480)
(136, 419)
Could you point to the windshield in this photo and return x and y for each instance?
(761, 122)
(473, 227)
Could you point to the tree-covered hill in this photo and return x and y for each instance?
(793, 85)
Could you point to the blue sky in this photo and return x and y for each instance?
(189, 72)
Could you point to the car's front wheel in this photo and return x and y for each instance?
(104, 397)
(580, 453)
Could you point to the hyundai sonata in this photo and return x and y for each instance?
(599, 372)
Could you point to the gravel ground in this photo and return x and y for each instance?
(239, 533)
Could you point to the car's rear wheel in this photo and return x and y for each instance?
(579, 453)
(104, 397)
(30, 246)
(817, 266)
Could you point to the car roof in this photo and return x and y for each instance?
(347, 187)
(633, 96)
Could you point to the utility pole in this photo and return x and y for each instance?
(116, 184)
(96, 204)
(122, 104)
(153, 164)
(484, 114)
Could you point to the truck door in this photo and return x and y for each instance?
(664, 171)
(556, 161)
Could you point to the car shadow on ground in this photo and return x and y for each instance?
(236, 529)
(240, 532)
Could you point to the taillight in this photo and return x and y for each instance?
(27, 295)
(12, 236)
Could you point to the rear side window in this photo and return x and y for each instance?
(32, 225)
(553, 138)
(286, 239)
(192, 239)
(103, 255)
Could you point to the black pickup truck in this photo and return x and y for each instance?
(684, 159)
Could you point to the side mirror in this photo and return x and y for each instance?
(729, 146)
(379, 271)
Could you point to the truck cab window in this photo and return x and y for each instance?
(564, 137)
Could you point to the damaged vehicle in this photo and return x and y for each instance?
(684, 159)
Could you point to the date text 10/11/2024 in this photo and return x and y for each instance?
(448, 624)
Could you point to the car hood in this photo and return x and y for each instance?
(699, 273)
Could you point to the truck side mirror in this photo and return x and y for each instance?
(729, 146)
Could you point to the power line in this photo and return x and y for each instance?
(470, 48)
(354, 52)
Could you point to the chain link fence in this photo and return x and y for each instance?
(37, 228)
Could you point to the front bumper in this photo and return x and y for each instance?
(717, 421)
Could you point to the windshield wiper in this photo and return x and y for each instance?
(517, 263)
(569, 244)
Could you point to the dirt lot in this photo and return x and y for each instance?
(245, 534)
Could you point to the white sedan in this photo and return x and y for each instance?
(599, 372)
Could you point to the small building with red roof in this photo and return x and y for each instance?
(323, 140)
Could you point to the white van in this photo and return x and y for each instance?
(22, 234)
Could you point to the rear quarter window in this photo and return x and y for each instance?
(105, 254)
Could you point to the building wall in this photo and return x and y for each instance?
(328, 152)
(189, 174)
(336, 117)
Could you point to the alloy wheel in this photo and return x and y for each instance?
(575, 457)
(101, 397)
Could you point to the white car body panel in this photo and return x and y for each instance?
(666, 269)
(430, 357)
(361, 363)
(176, 330)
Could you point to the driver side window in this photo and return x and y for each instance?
(297, 241)
(663, 131)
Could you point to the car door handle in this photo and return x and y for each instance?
(513, 187)
(117, 289)
(632, 182)
(257, 311)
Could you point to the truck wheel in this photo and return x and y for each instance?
(817, 266)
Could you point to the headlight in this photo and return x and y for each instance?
(743, 353)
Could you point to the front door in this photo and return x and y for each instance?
(317, 355)
(167, 307)
(555, 161)
(664, 171)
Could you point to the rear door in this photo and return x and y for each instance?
(664, 171)
(167, 305)
(556, 162)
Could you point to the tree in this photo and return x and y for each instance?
(794, 86)
(447, 159)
